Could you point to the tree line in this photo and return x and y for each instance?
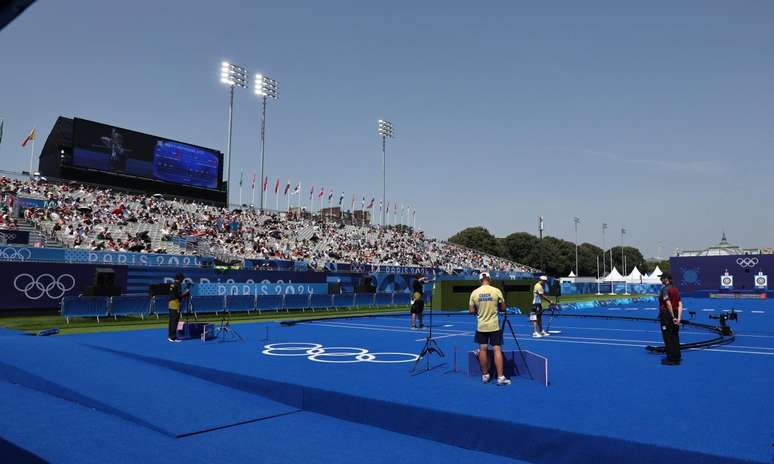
(554, 255)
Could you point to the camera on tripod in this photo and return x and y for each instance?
(724, 318)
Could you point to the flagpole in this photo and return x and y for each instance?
(32, 149)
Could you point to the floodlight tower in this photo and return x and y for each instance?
(232, 75)
(385, 132)
(265, 88)
(576, 221)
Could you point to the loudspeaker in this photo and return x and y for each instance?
(104, 283)
(158, 289)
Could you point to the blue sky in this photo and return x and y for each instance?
(657, 117)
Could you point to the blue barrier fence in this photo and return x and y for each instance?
(569, 288)
(141, 305)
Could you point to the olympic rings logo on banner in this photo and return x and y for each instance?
(15, 254)
(747, 262)
(336, 354)
(44, 285)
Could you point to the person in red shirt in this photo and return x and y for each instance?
(670, 315)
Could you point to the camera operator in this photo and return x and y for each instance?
(484, 302)
(175, 303)
(417, 301)
(670, 315)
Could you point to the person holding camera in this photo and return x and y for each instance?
(178, 295)
(536, 316)
(417, 301)
(485, 302)
(670, 315)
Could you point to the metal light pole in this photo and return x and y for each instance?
(385, 131)
(623, 231)
(234, 76)
(542, 251)
(604, 265)
(598, 292)
(265, 88)
(576, 221)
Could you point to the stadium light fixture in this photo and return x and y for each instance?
(232, 75)
(266, 88)
(385, 132)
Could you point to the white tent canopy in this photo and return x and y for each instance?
(572, 274)
(635, 276)
(614, 276)
(654, 277)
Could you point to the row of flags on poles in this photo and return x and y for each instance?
(364, 204)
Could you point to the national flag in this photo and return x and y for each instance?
(276, 186)
(371, 205)
(380, 206)
(29, 138)
(362, 203)
(311, 192)
(322, 192)
(296, 190)
(1, 130)
(253, 181)
(330, 194)
(241, 177)
(341, 198)
(265, 183)
(388, 208)
(353, 202)
(287, 188)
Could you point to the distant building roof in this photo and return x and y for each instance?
(723, 248)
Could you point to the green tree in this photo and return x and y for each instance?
(477, 238)
(587, 259)
(521, 247)
(633, 258)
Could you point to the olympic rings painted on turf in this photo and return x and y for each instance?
(303, 348)
(335, 354)
(747, 262)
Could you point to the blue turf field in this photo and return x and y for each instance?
(133, 396)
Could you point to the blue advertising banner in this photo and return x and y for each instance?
(74, 255)
(140, 277)
(702, 273)
(43, 285)
(259, 289)
(14, 237)
(23, 202)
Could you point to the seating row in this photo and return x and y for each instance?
(127, 305)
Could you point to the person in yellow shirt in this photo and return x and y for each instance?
(536, 316)
(485, 302)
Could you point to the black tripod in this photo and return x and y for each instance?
(225, 332)
(430, 347)
(518, 345)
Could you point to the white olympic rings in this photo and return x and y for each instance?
(35, 288)
(747, 262)
(333, 354)
(15, 254)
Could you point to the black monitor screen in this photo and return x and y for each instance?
(122, 151)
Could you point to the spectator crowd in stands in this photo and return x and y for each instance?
(98, 218)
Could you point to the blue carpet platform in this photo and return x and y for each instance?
(340, 390)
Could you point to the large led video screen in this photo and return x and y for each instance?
(122, 151)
